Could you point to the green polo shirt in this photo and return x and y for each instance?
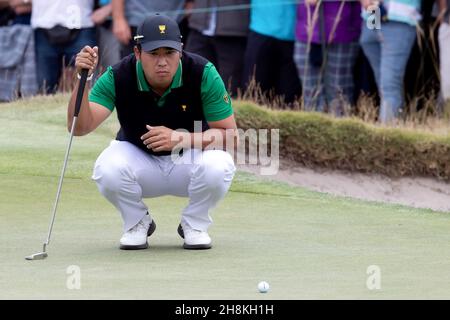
(216, 100)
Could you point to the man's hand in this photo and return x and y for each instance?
(87, 58)
(164, 139)
(367, 3)
(188, 6)
(442, 5)
(16, 3)
(101, 14)
(20, 6)
(122, 30)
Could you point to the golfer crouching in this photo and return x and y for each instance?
(175, 120)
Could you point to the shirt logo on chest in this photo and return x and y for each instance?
(183, 106)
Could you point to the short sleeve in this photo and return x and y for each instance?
(104, 92)
(215, 98)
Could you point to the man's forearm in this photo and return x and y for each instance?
(214, 139)
(118, 9)
(4, 4)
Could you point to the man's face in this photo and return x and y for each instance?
(159, 66)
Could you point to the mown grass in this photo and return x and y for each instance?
(307, 245)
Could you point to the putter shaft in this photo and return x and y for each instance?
(82, 84)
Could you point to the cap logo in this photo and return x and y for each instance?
(162, 28)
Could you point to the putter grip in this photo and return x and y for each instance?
(84, 74)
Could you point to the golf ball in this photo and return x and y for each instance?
(263, 287)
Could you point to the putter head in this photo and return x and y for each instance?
(37, 256)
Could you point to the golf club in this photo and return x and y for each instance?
(42, 255)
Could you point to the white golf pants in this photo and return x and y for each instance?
(126, 174)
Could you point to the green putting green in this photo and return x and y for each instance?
(306, 245)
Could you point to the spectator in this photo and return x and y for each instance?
(270, 48)
(325, 52)
(17, 62)
(62, 29)
(388, 49)
(129, 14)
(221, 36)
(6, 13)
(17, 58)
(19, 11)
(444, 45)
(108, 44)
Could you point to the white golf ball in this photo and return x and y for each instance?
(263, 287)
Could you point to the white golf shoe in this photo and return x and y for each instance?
(136, 237)
(194, 239)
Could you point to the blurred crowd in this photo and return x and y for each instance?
(322, 54)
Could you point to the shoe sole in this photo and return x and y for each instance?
(192, 246)
(150, 231)
(197, 246)
(138, 247)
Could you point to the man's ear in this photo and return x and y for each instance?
(137, 53)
